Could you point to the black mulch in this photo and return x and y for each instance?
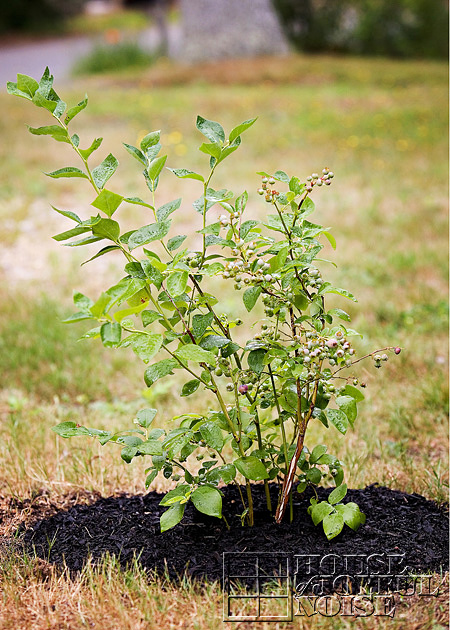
(128, 526)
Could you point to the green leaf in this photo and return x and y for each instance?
(137, 201)
(213, 149)
(227, 472)
(84, 241)
(319, 511)
(281, 177)
(69, 429)
(56, 132)
(337, 494)
(107, 202)
(153, 274)
(317, 453)
(107, 228)
(159, 370)
(214, 341)
(140, 157)
(190, 387)
(326, 459)
(73, 111)
(338, 419)
(349, 390)
(339, 477)
(184, 173)
(150, 478)
(110, 334)
(150, 447)
(63, 236)
(331, 238)
(145, 345)
(173, 496)
(216, 196)
(145, 417)
(68, 214)
(27, 85)
(175, 242)
(164, 211)
(241, 128)
(231, 148)
(314, 475)
(347, 404)
(212, 130)
(155, 167)
(332, 525)
(127, 453)
(339, 313)
(193, 352)
(176, 283)
(176, 440)
(352, 515)
(251, 296)
(246, 227)
(82, 301)
(103, 251)
(255, 360)
(148, 317)
(251, 467)
(148, 234)
(67, 171)
(150, 140)
(327, 288)
(208, 501)
(85, 153)
(172, 516)
(200, 323)
(105, 170)
(212, 435)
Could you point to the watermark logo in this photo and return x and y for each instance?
(280, 586)
(257, 587)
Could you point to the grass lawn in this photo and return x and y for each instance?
(382, 128)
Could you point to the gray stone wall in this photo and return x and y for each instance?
(220, 29)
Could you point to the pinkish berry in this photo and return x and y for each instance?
(243, 389)
(397, 350)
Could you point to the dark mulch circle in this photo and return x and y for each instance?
(128, 526)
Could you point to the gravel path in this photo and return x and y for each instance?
(60, 54)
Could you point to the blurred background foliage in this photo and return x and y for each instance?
(404, 28)
(37, 15)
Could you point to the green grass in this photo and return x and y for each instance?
(380, 125)
(127, 21)
(42, 357)
(113, 57)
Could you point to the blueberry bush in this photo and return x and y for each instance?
(293, 370)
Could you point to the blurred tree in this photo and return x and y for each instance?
(158, 10)
(36, 15)
(404, 28)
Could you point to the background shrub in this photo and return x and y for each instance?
(405, 28)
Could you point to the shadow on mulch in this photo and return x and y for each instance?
(128, 527)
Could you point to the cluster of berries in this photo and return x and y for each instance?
(269, 194)
(232, 218)
(271, 303)
(378, 358)
(194, 259)
(312, 278)
(315, 349)
(318, 180)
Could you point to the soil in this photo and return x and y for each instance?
(128, 527)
